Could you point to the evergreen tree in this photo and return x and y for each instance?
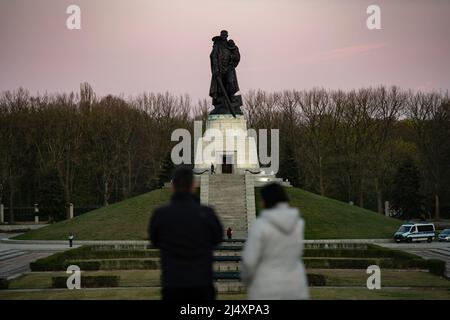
(51, 197)
(406, 190)
(288, 165)
(167, 167)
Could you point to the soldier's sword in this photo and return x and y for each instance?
(227, 99)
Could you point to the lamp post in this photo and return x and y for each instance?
(36, 213)
(70, 210)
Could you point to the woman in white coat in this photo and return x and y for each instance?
(271, 264)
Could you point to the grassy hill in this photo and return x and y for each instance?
(327, 218)
(127, 220)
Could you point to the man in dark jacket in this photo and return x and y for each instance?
(186, 233)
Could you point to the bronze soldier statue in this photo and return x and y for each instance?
(224, 58)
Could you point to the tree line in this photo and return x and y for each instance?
(365, 146)
(77, 148)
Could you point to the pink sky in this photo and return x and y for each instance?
(127, 47)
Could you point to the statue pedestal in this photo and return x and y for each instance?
(231, 148)
(227, 145)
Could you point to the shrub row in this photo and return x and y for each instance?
(88, 282)
(432, 265)
(339, 263)
(129, 247)
(100, 258)
(55, 262)
(87, 258)
(391, 253)
(332, 246)
(314, 279)
(4, 284)
(95, 265)
(60, 261)
(372, 251)
(117, 264)
(116, 254)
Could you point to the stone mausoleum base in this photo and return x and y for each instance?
(231, 189)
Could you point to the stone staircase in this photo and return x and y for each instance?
(227, 194)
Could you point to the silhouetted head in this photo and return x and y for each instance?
(272, 194)
(224, 34)
(183, 179)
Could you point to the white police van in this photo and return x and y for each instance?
(410, 232)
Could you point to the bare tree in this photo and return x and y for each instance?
(14, 108)
(430, 119)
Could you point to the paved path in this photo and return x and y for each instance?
(16, 262)
(21, 227)
(144, 242)
(16, 255)
(434, 250)
(15, 258)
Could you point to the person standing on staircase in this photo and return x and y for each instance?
(271, 260)
(186, 233)
(229, 233)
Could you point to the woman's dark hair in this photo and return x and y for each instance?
(272, 194)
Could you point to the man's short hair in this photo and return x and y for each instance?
(272, 194)
(182, 179)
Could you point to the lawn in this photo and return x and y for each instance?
(334, 278)
(389, 278)
(326, 293)
(317, 293)
(127, 220)
(131, 283)
(327, 218)
(128, 278)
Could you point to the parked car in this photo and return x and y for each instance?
(444, 235)
(410, 232)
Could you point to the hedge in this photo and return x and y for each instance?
(88, 282)
(339, 263)
(55, 262)
(4, 284)
(109, 257)
(372, 251)
(333, 246)
(314, 279)
(87, 258)
(117, 264)
(109, 252)
(434, 266)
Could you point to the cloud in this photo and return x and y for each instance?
(353, 50)
(343, 53)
